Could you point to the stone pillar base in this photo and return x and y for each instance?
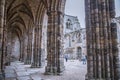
(54, 70)
(98, 79)
(91, 78)
(27, 62)
(21, 60)
(36, 66)
(2, 76)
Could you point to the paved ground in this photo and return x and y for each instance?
(74, 70)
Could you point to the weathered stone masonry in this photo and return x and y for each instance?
(2, 17)
(101, 40)
(102, 52)
(54, 55)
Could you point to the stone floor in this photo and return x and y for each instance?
(74, 70)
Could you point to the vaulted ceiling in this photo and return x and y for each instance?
(24, 14)
(20, 13)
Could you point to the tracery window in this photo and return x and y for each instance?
(69, 24)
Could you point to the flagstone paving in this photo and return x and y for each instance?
(74, 70)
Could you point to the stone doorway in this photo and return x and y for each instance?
(79, 53)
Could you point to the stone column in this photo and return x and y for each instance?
(29, 48)
(25, 48)
(23, 44)
(89, 41)
(36, 63)
(41, 56)
(21, 49)
(31, 45)
(55, 61)
(30, 52)
(101, 44)
(116, 62)
(2, 10)
(9, 49)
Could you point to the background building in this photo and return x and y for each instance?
(74, 37)
(117, 21)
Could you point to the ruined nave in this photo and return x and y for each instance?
(21, 33)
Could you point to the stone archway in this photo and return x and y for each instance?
(79, 52)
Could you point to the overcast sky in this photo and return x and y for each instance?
(76, 8)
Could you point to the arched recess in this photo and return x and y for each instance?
(13, 38)
(13, 34)
(15, 44)
(19, 13)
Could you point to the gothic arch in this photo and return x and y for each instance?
(19, 20)
(23, 8)
(38, 36)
